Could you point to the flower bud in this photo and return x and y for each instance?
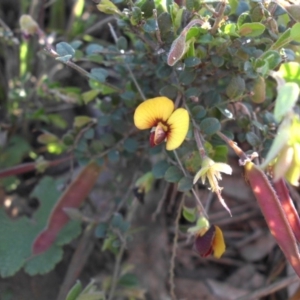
(259, 90)
(28, 25)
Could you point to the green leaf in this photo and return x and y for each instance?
(64, 59)
(253, 139)
(122, 43)
(220, 153)
(231, 30)
(164, 71)
(272, 57)
(291, 34)
(235, 87)
(47, 138)
(165, 25)
(108, 7)
(173, 174)
(290, 71)
(75, 291)
(99, 74)
(185, 184)
(295, 32)
(190, 214)
(101, 230)
(43, 264)
(209, 126)
(169, 91)
(217, 61)
(131, 145)
(81, 121)
(198, 112)
(150, 26)
(113, 156)
(187, 77)
(287, 97)
(103, 88)
(16, 237)
(14, 151)
(92, 49)
(108, 139)
(119, 223)
(160, 168)
(191, 62)
(251, 29)
(65, 49)
(89, 134)
(90, 95)
(128, 281)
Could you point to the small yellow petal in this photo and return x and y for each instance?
(222, 167)
(151, 111)
(179, 126)
(218, 243)
(201, 173)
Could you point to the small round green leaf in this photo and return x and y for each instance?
(64, 49)
(108, 139)
(253, 139)
(210, 126)
(131, 145)
(99, 74)
(113, 156)
(101, 230)
(150, 26)
(192, 62)
(169, 91)
(198, 112)
(122, 43)
(160, 168)
(185, 184)
(173, 174)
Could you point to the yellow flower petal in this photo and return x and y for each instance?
(201, 173)
(179, 126)
(218, 243)
(151, 111)
(222, 167)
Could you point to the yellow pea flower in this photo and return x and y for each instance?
(212, 171)
(166, 124)
(210, 241)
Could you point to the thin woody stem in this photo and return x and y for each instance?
(114, 35)
(174, 247)
(238, 151)
(199, 143)
(200, 207)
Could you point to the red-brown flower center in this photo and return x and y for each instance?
(158, 134)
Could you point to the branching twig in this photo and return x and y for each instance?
(114, 35)
(199, 204)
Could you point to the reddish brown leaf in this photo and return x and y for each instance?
(273, 213)
(73, 196)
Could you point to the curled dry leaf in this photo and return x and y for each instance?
(73, 196)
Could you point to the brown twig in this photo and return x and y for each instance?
(267, 290)
(174, 247)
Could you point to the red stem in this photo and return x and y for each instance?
(31, 166)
